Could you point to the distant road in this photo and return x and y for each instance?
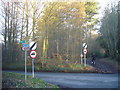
(78, 80)
(103, 66)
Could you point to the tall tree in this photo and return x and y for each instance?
(109, 31)
(62, 24)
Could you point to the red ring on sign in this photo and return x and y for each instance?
(35, 55)
(85, 51)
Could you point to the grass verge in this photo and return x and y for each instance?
(15, 80)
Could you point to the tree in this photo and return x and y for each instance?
(109, 31)
(118, 33)
(62, 24)
(57, 27)
(10, 30)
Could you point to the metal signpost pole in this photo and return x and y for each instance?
(25, 46)
(25, 67)
(85, 59)
(85, 52)
(81, 61)
(33, 68)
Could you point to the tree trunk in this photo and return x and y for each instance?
(27, 18)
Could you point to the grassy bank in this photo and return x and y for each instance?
(51, 67)
(15, 80)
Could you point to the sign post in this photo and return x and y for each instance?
(33, 45)
(25, 66)
(85, 52)
(81, 58)
(25, 46)
(85, 45)
(84, 59)
(33, 68)
(33, 56)
(23, 41)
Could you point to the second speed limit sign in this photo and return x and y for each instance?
(85, 51)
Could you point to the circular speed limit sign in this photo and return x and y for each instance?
(85, 51)
(33, 54)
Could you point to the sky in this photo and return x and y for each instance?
(103, 4)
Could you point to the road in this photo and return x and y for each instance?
(78, 80)
(103, 67)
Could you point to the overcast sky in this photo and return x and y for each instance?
(104, 3)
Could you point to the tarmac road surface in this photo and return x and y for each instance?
(78, 80)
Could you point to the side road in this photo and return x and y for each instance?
(104, 66)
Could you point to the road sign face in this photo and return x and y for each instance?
(25, 45)
(23, 41)
(33, 54)
(33, 45)
(25, 48)
(85, 51)
(81, 55)
(85, 45)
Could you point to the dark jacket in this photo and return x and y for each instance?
(93, 57)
